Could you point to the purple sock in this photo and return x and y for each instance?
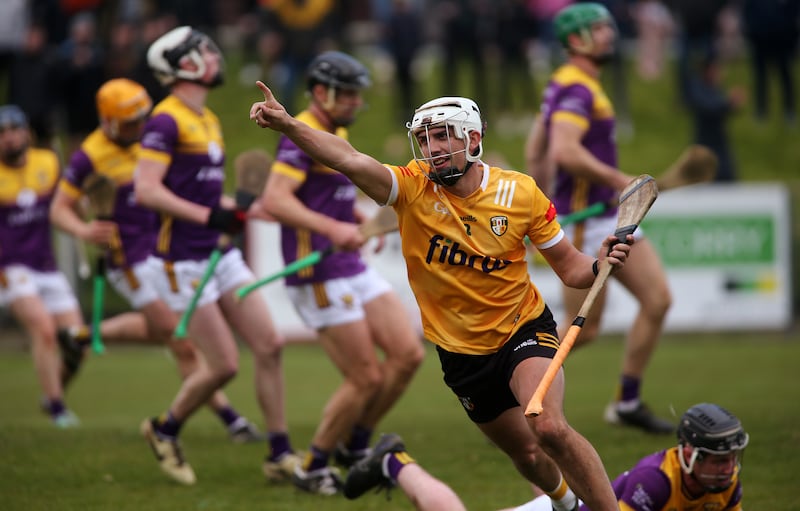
(278, 444)
(395, 463)
(56, 407)
(359, 438)
(169, 425)
(630, 388)
(228, 415)
(319, 459)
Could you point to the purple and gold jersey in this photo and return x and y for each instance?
(654, 484)
(466, 256)
(192, 147)
(323, 190)
(25, 195)
(136, 225)
(575, 97)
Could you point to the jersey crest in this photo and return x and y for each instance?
(499, 224)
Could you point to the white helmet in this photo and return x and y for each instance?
(463, 115)
(166, 53)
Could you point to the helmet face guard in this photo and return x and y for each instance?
(710, 430)
(459, 117)
(167, 53)
(338, 71)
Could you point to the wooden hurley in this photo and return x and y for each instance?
(634, 203)
(101, 191)
(696, 164)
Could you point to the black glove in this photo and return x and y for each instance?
(230, 221)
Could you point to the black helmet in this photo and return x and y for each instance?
(338, 70)
(711, 428)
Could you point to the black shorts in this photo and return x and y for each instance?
(481, 381)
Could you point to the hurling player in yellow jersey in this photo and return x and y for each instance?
(463, 226)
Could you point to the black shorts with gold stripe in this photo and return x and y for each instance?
(481, 381)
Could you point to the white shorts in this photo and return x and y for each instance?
(592, 232)
(176, 284)
(135, 284)
(52, 287)
(337, 301)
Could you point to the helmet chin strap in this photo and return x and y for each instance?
(450, 175)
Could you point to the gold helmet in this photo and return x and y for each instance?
(122, 100)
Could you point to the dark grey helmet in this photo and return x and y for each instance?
(338, 70)
(713, 429)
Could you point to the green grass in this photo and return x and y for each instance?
(105, 464)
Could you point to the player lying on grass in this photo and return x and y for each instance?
(701, 472)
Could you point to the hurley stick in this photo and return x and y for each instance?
(101, 192)
(384, 221)
(252, 168)
(634, 203)
(696, 164)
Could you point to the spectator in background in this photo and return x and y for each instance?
(655, 29)
(711, 106)
(297, 31)
(516, 27)
(403, 36)
(14, 20)
(29, 83)
(79, 70)
(698, 22)
(771, 28)
(153, 26)
(468, 27)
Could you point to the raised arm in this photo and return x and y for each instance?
(363, 170)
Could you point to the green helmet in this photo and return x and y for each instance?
(578, 19)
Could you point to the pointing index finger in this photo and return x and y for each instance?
(265, 90)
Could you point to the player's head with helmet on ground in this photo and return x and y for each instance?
(15, 137)
(334, 82)
(446, 136)
(587, 29)
(187, 54)
(122, 106)
(711, 441)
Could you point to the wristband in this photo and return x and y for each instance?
(595, 267)
(229, 221)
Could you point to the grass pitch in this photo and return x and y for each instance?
(105, 464)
